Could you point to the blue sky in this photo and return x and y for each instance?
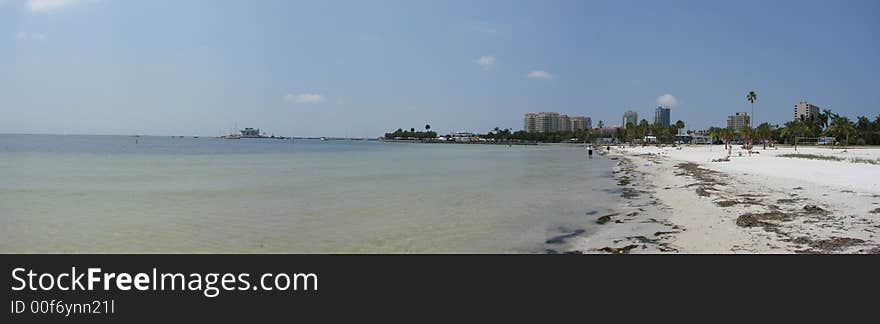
(359, 68)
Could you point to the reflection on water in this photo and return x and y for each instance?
(162, 194)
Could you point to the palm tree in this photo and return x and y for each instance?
(679, 125)
(793, 130)
(752, 97)
(715, 133)
(619, 133)
(841, 127)
(644, 127)
(747, 134)
(726, 134)
(764, 133)
(632, 133)
(657, 131)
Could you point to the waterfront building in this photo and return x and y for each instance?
(661, 116)
(462, 136)
(541, 122)
(530, 123)
(630, 117)
(701, 136)
(544, 122)
(737, 121)
(564, 123)
(579, 123)
(804, 110)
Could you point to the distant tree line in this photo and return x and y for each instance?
(412, 133)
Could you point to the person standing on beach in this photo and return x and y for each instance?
(590, 151)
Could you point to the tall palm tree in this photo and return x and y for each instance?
(752, 97)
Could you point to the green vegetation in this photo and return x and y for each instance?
(863, 132)
(630, 133)
(412, 133)
(827, 123)
(864, 160)
(747, 134)
(765, 133)
(551, 137)
(841, 128)
(830, 158)
(811, 157)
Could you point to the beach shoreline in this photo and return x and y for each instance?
(758, 203)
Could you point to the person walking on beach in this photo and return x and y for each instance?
(590, 151)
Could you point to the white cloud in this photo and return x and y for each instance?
(667, 100)
(46, 5)
(486, 62)
(538, 74)
(23, 36)
(304, 98)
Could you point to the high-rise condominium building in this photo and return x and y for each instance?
(630, 117)
(543, 122)
(579, 123)
(737, 121)
(564, 123)
(661, 116)
(804, 110)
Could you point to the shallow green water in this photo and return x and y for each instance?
(162, 194)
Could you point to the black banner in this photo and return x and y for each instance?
(424, 286)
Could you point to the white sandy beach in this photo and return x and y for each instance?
(759, 203)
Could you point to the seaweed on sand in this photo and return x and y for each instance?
(762, 219)
(828, 245)
(620, 250)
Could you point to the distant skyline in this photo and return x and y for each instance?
(363, 68)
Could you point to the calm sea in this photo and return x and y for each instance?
(161, 194)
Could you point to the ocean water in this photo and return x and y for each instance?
(76, 193)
